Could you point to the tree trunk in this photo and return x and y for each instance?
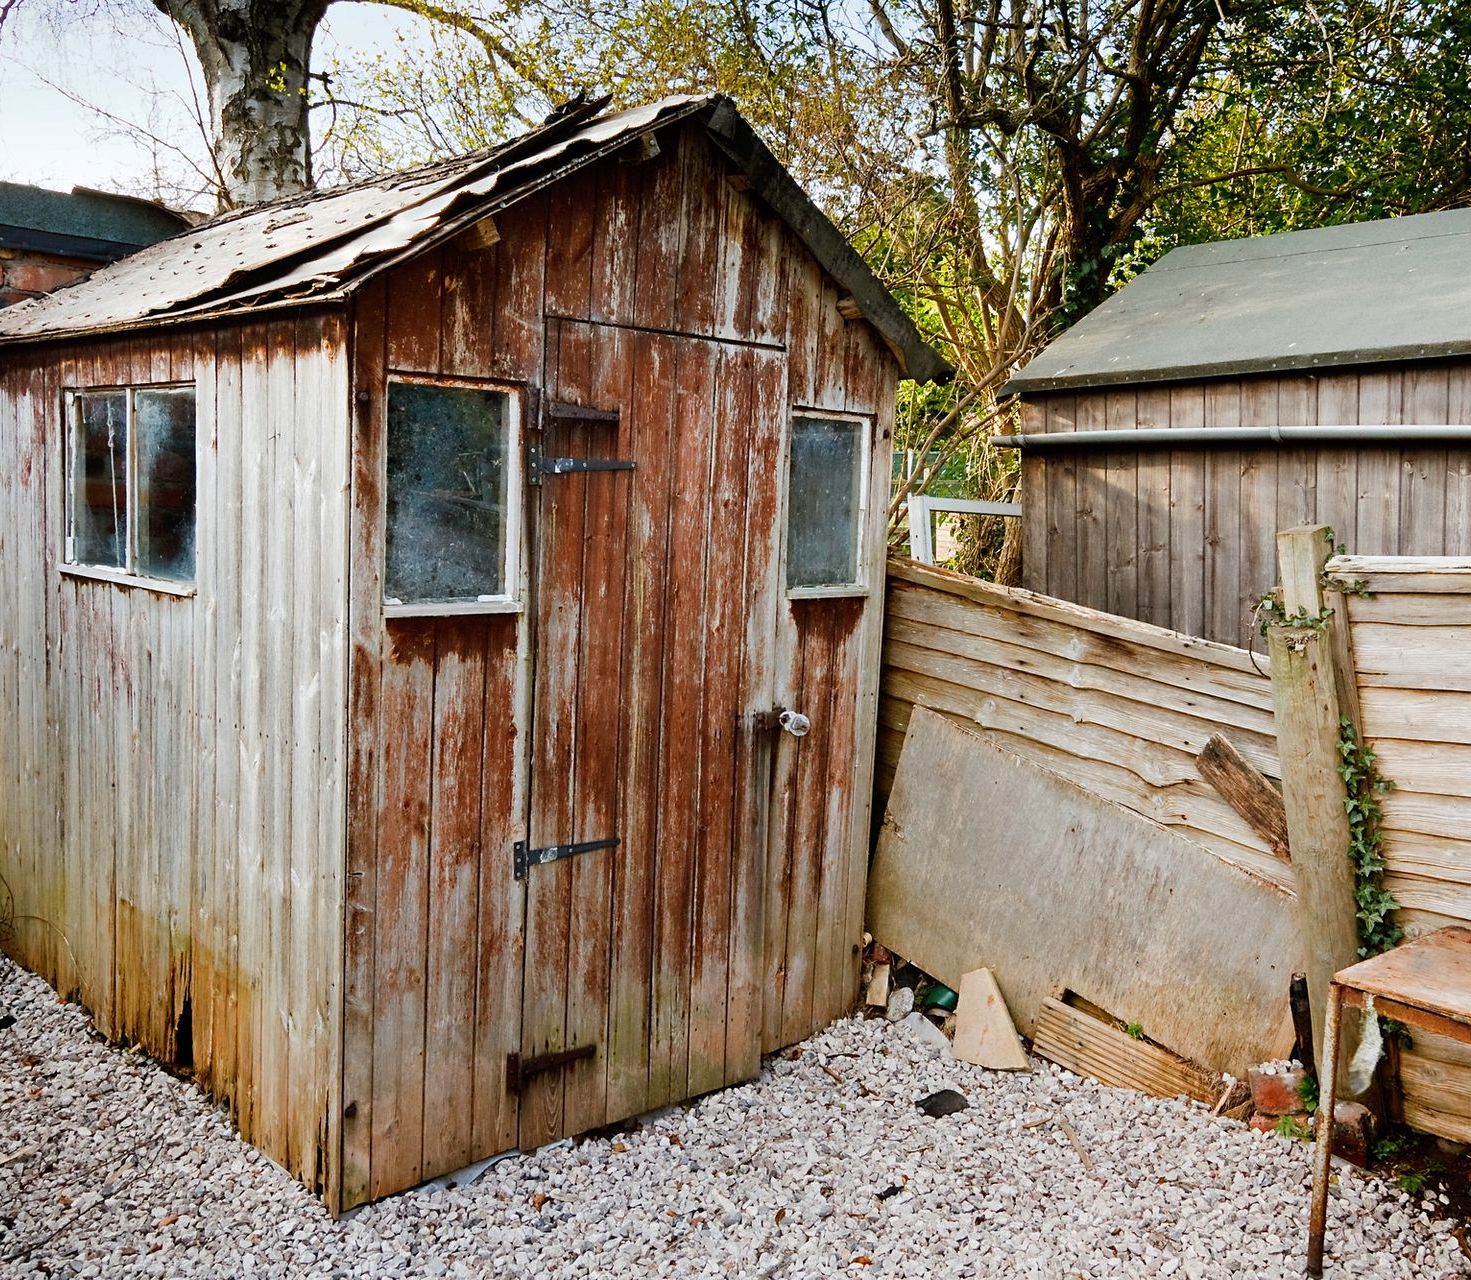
(255, 55)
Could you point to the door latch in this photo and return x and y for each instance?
(539, 464)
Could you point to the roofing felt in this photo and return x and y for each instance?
(32, 213)
(320, 245)
(1393, 290)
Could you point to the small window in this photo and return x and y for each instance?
(131, 472)
(450, 494)
(825, 503)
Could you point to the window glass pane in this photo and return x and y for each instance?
(823, 502)
(100, 479)
(163, 435)
(448, 485)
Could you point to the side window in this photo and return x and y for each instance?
(450, 493)
(131, 482)
(825, 488)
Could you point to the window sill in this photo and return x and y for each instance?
(451, 608)
(848, 592)
(121, 578)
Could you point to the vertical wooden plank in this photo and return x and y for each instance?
(306, 763)
(1297, 469)
(1122, 509)
(364, 738)
(722, 714)
(598, 802)
(1260, 407)
(401, 909)
(1187, 517)
(1338, 468)
(1458, 467)
(207, 927)
(814, 623)
(651, 421)
(762, 589)
(1380, 404)
(414, 312)
(556, 723)
(280, 569)
(1154, 499)
(457, 746)
(659, 238)
(1425, 469)
(1059, 475)
(225, 448)
(1090, 414)
(700, 254)
(469, 308)
(681, 720)
(571, 204)
(328, 956)
(615, 241)
(1223, 523)
(519, 284)
(501, 905)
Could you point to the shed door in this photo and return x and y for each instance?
(655, 596)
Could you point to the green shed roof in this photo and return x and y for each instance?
(1398, 289)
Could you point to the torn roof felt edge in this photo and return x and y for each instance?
(451, 195)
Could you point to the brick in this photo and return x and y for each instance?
(1353, 1132)
(1274, 1088)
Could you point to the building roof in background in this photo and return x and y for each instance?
(95, 226)
(1393, 290)
(318, 247)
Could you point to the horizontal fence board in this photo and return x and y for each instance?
(1117, 706)
(1410, 631)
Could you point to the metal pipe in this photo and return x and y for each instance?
(1176, 436)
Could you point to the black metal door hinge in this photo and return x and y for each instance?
(519, 1070)
(539, 465)
(525, 857)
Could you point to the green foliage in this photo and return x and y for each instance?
(1290, 1127)
(1392, 1145)
(1270, 613)
(1364, 787)
(1134, 1030)
(1307, 1090)
(1411, 1181)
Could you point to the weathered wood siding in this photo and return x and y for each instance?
(1410, 637)
(650, 286)
(1184, 538)
(171, 768)
(1121, 708)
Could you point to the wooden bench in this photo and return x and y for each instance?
(1426, 984)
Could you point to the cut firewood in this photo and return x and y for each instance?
(984, 1031)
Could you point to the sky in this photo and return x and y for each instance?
(75, 87)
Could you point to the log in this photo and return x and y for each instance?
(1246, 790)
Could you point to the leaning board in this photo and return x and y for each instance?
(986, 859)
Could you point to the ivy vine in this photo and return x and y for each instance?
(1364, 786)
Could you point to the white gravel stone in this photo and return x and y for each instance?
(113, 1168)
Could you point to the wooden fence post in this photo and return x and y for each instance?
(1308, 689)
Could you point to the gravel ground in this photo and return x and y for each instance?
(822, 1167)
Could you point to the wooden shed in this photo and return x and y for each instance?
(403, 588)
(1239, 388)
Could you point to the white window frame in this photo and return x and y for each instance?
(126, 575)
(512, 599)
(843, 590)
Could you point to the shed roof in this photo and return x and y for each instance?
(98, 226)
(1368, 292)
(319, 246)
